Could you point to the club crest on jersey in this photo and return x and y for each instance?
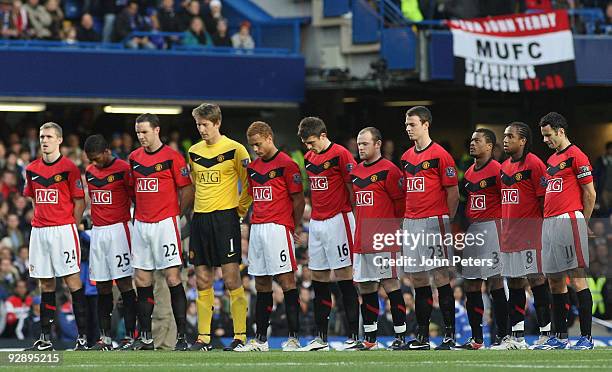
(220, 158)
(297, 178)
(364, 198)
(326, 165)
(483, 184)
(562, 165)
(415, 184)
(373, 178)
(450, 172)
(478, 202)
(147, 185)
(262, 193)
(158, 167)
(271, 174)
(425, 165)
(47, 196)
(518, 176)
(318, 183)
(101, 197)
(110, 178)
(510, 196)
(57, 177)
(191, 255)
(555, 185)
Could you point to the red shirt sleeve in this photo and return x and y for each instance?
(293, 177)
(539, 177)
(27, 188)
(347, 164)
(75, 183)
(128, 182)
(448, 171)
(582, 168)
(180, 171)
(394, 184)
(250, 186)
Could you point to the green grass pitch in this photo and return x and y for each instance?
(481, 360)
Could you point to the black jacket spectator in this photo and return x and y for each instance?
(126, 22)
(85, 32)
(168, 19)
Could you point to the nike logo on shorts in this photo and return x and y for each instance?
(230, 255)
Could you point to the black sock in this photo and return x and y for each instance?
(398, 312)
(350, 299)
(105, 308)
(585, 308)
(369, 310)
(517, 302)
(79, 308)
(541, 302)
(146, 302)
(292, 309)
(500, 309)
(322, 307)
(130, 307)
(47, 313)
(179, 308)
(475, 310)
(560, 310)
(263, 308)
(423, 305)
(447, 307)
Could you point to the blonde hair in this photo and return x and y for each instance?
(52, 125)
(261, 128)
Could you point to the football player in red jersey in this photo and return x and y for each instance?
(482, 186)
(110, 187)
(163, 192)
(379, 203)
(522, 176)
(55, 186)
(432, 196)
(275, 183)
(331, 229)
(568, 204)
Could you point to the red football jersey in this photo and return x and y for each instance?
(328, 173)
(483, 186)
(271, 183)
(523, 183)
(110, 190)
(426, 174)
(52, 186)
(377, 187)
(157, 177)
(567, 170)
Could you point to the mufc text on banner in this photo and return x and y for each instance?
(514, 53)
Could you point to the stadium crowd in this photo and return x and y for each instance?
(20, 299)
(192, 23)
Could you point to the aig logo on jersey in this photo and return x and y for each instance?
(364, 198)
(147, 185)
(262, 193)
(46, 196)
(510, 196)
(555, 185)
(318, 183)
(101, 197)
(209, 177)
(478, 202)
(415, 184)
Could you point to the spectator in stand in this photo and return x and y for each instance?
(211, 19)
(243, 39)
(156, 40)
(196, 35)
(22, 262)
(8, 277)
(602, 172)
(39, 20)
(192, 10)
(126, 23)
(14, 236)
(110, 9)
(221, 38)
(18, 307)
(168, 19)
(15, 26)
(31, 141)
(9, 184)
(57, 19)
(86, 32)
